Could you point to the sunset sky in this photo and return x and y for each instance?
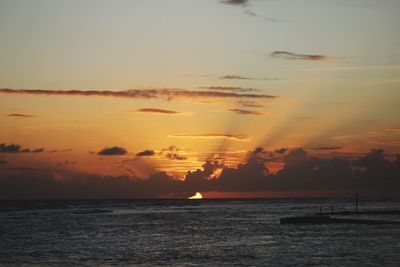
(140, 89)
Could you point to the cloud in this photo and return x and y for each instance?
(296, 56)
(230, 88)
(173, 153)
(254, 14)
(251, 104)
(235, 137)
(163, 93)
(18, 115)
(66, 163)
(282, 150)
(386, 142)
(235, 2)
(14, 148)
(369, 174)
(245, 3)
(326, 148)
(395, 130)
(235, 77)
(145, 153)
(158, 111)
(245, 112)
(112, 151)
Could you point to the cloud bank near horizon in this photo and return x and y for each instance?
(367, 174)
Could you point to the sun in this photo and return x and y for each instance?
(196, 196)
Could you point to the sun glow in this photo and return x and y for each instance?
(196, 196)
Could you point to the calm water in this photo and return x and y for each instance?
(183, 232)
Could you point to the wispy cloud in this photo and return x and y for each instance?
(251, 13)
(159, 93)
(236, 137)
(328, 147)
(395, 130)
(236, 77)
(254, 14)
(19, 115)
(386, 142)
(157, 111)
(230, 88)
(297, 56)
(245, 111)
(251, 104)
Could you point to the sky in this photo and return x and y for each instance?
(230, 98)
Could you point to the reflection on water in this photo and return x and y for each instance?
(187, 232)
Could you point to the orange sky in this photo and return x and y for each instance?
(177, 90)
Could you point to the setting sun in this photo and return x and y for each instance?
(196, 196)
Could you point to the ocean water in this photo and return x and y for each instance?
(219, 232)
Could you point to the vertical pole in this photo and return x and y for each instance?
(356, 203)
(320, 210)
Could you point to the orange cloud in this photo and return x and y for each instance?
(245, 112)
(396, 130)
(230, 88)
(296, 56)
(236, 137)
(159, 93)
(158, 111)
(18, 115)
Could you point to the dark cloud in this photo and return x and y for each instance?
(14, 148)
(37, 150)
(245, 112)
(112, 151)
(370, 174)
(235, 2)
(236, 137)
(236, 77)
(19, 115)
(173, 153)
(59, 151)
(230, 88)
(296, 56)
(158, 111)
(282, 150)
(251, 13)
(160, 93)
(175, 156)
(66, 163)
(145, 153)
(376, 156)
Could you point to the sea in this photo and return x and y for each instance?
(206, 232)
